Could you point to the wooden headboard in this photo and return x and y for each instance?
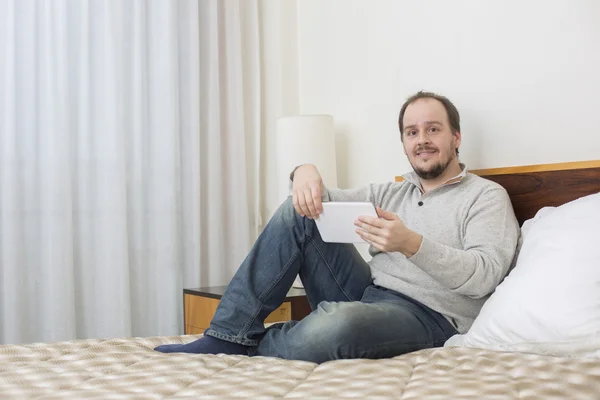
(532, 187)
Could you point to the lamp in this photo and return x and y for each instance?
(305, 139)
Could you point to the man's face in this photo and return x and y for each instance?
(427, 138)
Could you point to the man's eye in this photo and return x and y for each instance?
(433, 129)
(411, 133)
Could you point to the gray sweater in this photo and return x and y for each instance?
(470, 236)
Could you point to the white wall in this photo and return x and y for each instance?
(523, 74)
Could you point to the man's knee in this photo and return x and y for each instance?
(343, 318)
(287, 208)
(329, 334)
(288, 214)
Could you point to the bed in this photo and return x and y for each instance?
(129, 368)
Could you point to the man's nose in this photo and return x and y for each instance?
(423, 137)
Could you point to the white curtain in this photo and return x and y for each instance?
(129, 159)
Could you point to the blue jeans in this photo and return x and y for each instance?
(351, 317)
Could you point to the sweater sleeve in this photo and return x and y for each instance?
(365, 193)
(374, 193)
(491, 233)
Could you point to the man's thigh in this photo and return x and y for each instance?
(379, 329)
(343, 330)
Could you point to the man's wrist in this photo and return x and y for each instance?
(412, 244)
(293, 172)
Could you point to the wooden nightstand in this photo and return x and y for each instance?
(200, 304)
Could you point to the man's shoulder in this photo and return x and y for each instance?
(391, 185)
(478, 189)
(483, 184)
(394, 192)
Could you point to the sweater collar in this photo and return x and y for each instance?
(413, 178)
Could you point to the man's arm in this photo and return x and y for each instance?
(372, 193)
(489, 245)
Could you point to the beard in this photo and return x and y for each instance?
(433, 171)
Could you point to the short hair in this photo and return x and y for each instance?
(451, 111)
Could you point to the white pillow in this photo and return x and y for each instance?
(527, 225)
(550, 302)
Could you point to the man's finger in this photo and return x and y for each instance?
(295, 202)
(316, 196)
(310, 204)
(371, 237)
(369, 228)
(372, 240)
(302, 204)
(307, 206)
(374, 221)
(386, 214)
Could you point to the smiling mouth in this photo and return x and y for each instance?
(425, 153)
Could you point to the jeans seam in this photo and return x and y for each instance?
(329, 268)
(229, 338)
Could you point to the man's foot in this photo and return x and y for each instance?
(205, 345)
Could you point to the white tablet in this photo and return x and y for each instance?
(336, 222)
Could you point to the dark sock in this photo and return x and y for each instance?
(205, 345)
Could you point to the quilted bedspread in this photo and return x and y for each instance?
(129, 368)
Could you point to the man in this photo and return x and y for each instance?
(444, 240)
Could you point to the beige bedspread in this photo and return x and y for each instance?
(129, 368)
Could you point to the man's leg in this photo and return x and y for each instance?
(290, 244)
(384, 324)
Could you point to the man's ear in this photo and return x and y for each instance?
(457, 140)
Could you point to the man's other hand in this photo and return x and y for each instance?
(388, 233)
(306, 191)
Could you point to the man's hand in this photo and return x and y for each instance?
(388, 233)
(306, 191)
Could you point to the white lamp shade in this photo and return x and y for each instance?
(305, 139)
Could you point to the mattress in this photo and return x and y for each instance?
(129, 368)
